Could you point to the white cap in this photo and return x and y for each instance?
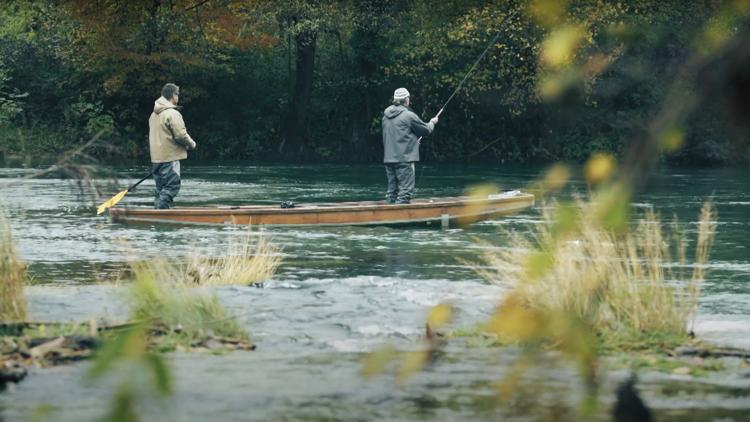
(400, 94)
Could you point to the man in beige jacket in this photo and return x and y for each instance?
(168, 144)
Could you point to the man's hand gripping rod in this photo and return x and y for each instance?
(419, 141)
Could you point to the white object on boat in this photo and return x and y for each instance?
(506, 194)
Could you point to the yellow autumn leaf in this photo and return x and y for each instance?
(439, 316)
(672, 139)
(514, 321)
(550, 87)
(481, 191)
(547, 12)
(411, 363)
(507, 387)
(612, 207)
(537, 265)
(375, 363)
(559, 47)
(475, 206)
(556, 177)
(566, 220)
(599, 168)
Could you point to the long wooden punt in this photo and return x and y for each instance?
(433, 211)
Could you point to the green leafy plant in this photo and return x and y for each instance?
(178, 316)
(127, 354)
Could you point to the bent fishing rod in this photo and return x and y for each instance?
(466, 77)
(473, 67)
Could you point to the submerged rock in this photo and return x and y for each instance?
(708, 351)
(16, 354)
(7, 346)
(11, 372)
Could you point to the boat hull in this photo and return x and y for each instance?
(434, 211)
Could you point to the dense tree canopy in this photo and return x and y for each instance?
(308, 79)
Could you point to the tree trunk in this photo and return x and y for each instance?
(362, 151)
(366, 42)
(297, 122)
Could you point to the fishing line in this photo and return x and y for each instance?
(466, 77)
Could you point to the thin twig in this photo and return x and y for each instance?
(197, 5)
(485, 147)
(67, 158)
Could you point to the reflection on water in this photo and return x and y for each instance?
(340, 291)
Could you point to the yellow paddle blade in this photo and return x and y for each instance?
(111, 202)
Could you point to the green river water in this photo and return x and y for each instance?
(343, 291)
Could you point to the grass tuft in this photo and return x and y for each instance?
(181, 317)
(627, 285)
(248, 261)
(12, 275)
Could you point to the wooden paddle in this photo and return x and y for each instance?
(117, 198)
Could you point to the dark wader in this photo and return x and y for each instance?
(400, 182)
(167, 178)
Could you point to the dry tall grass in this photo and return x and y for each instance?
(12, 275)
(248, 261)
(623, 284)
(161, 294)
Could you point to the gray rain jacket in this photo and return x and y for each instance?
(401, 129)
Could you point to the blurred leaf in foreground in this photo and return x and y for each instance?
(376, 363)
(600, 168)
(560, 46)
(439, 316)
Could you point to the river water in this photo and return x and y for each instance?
(342, 291)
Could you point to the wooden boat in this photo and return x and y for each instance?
(431, 211)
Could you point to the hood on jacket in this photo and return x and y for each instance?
(162, 104)
(393, 111)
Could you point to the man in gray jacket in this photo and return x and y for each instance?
(402, 129)
(168, 144)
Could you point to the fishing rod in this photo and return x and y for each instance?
(466, 77)
(473, 67)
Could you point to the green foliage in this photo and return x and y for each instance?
(57, 330)
(129, 348)
(11, 102)
(166, 317)
(90, 116)
(559, 84)
(181, 316)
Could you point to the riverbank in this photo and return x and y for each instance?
(320, 378)
(301, 320)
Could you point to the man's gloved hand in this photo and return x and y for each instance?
(434, 120)
(192, 145)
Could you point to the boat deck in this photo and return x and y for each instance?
(443, 211)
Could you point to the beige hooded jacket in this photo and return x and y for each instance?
(167, 136)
